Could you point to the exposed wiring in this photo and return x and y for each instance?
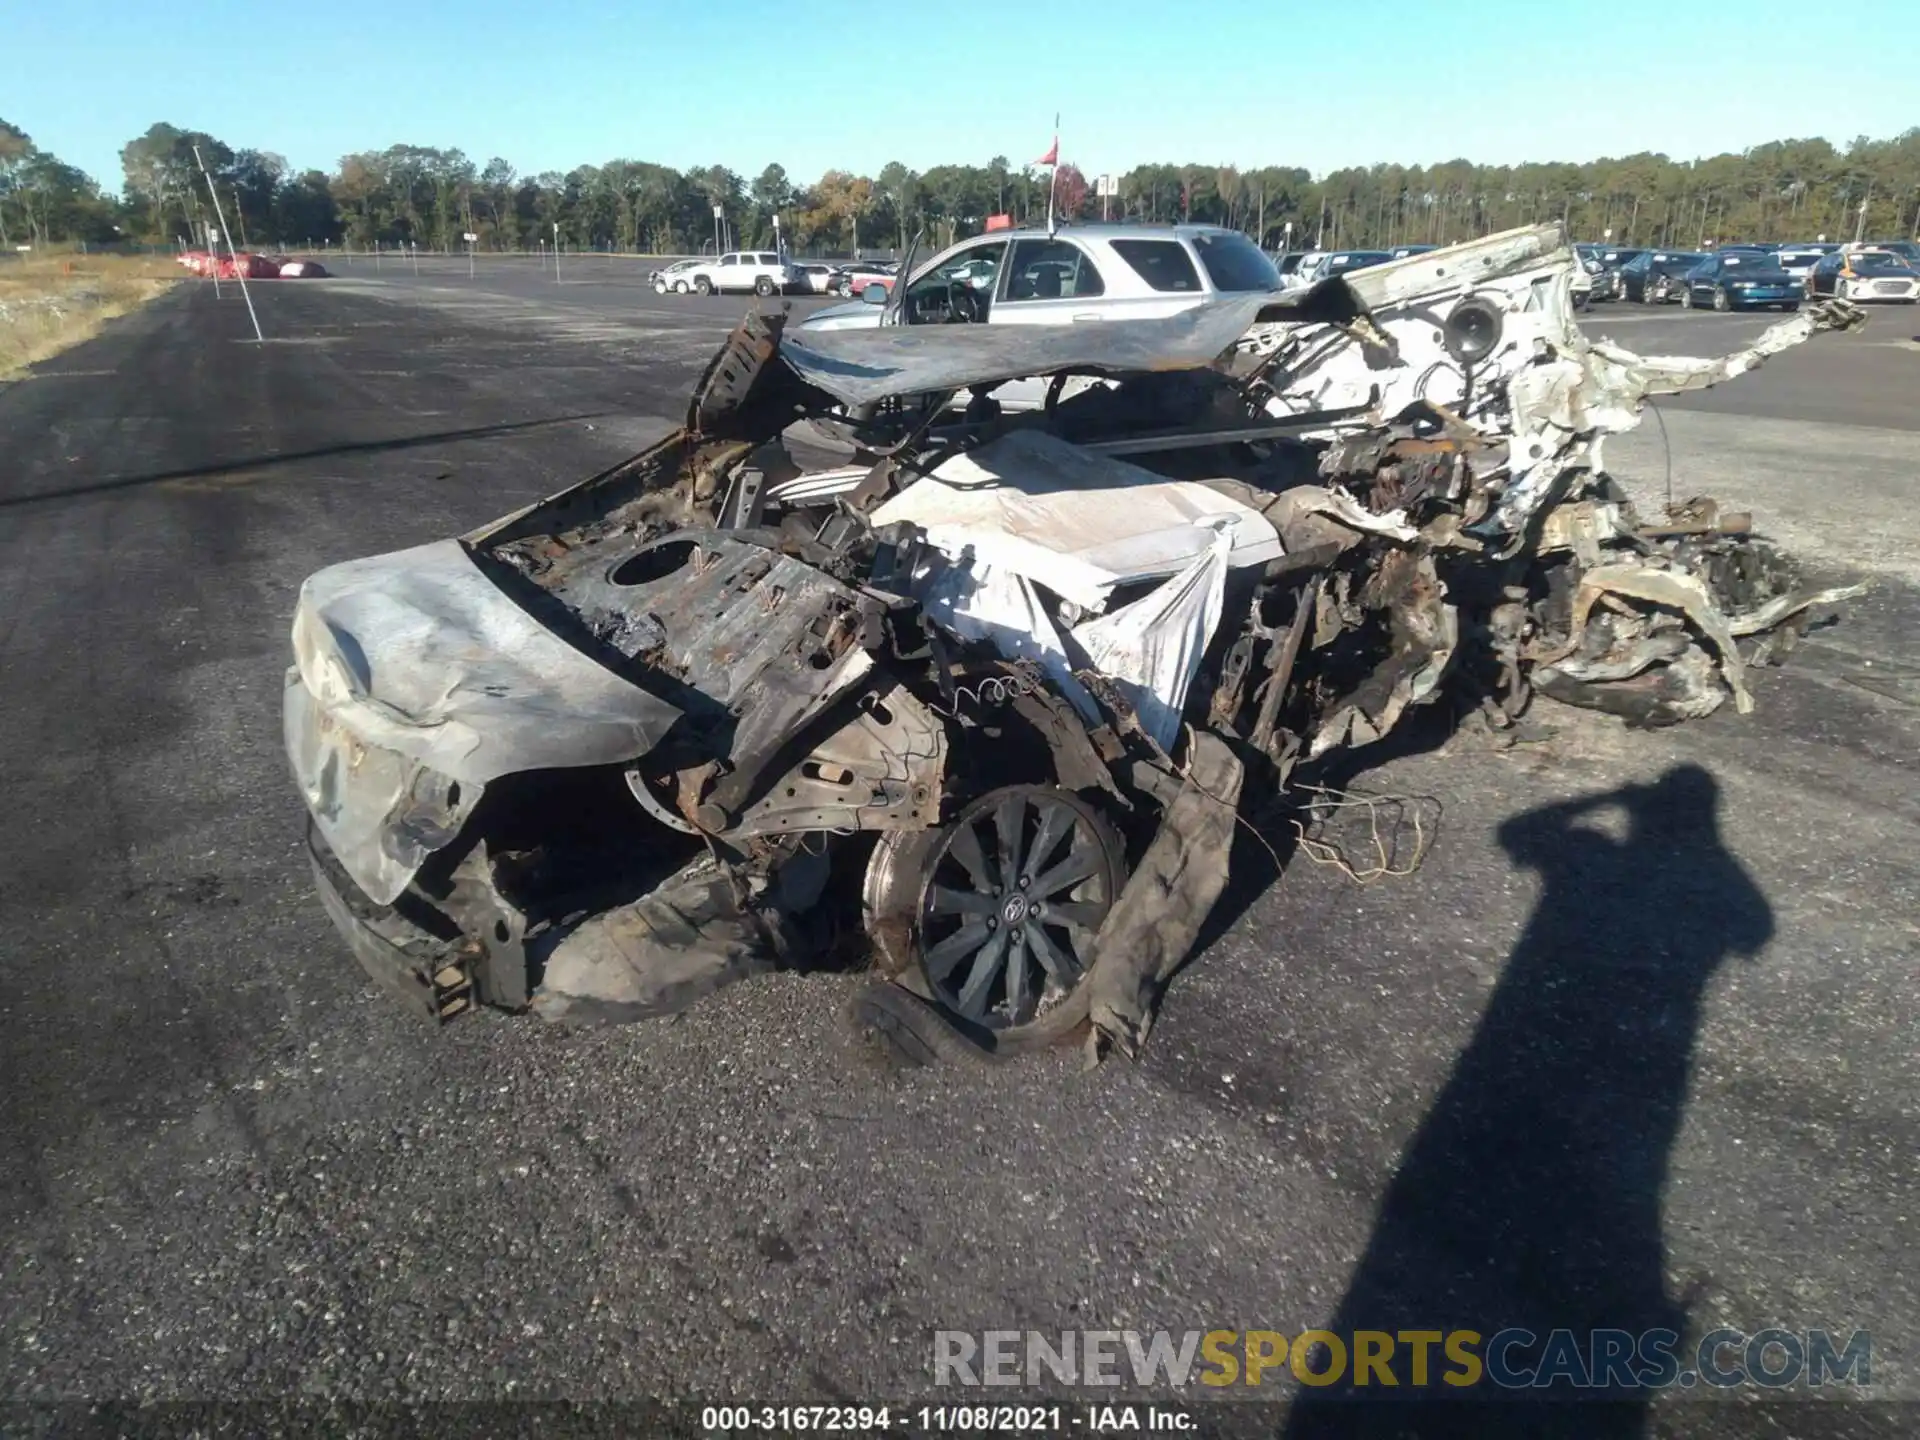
(1387, 815)
(1666, 445)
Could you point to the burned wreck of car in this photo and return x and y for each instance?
(988, 698)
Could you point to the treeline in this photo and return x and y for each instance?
(412, 194)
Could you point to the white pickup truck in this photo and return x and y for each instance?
(760, 271)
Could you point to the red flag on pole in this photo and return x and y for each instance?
(1052, 157)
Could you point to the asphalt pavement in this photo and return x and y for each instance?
(1645, 1061)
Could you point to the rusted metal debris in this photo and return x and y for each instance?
(998, 691)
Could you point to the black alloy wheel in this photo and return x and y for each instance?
(1003, 904)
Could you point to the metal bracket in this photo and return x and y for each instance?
(485, 914)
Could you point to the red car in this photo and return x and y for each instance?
(248, 267)
(858, 275)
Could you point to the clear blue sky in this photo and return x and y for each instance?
(551, 84)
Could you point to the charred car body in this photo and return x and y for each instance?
(994, 692)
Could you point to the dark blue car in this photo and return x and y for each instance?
(1742, 280)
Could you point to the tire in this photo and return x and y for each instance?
(679, 287)
(703, 285)
(949, 884)
(1722, 301)
(1791, 306)
(764, 287)
(1686, 297)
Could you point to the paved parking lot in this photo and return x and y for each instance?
(1649, 1065)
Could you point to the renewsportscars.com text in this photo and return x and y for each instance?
(1509, 1359)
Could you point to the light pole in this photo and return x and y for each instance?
(556, 252)
(239, 270)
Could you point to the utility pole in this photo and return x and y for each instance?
(239, 270)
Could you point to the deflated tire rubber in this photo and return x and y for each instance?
(912, 1032)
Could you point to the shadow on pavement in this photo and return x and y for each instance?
(216, 469)
(1530, 1196)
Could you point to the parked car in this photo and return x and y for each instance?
(1741, 280)
(1341, 262)
(1603, 279)
(1799, 260)
(1077, 274)
(1907, 250)
(1655, 277)
(816, 278)
(857, 275)
(676, 278)
(759, 271)
(1085, 272)
(1611, 256)
(1879, 276)
(1294, 265)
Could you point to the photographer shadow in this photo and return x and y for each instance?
(1531, 1194)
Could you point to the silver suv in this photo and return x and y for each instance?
(1078, 273)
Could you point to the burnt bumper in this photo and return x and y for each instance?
(428, 975)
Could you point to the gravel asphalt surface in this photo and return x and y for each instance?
(1645, 1062)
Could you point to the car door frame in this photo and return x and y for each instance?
(948, 256)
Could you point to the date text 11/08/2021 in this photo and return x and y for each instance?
(943, 1419)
